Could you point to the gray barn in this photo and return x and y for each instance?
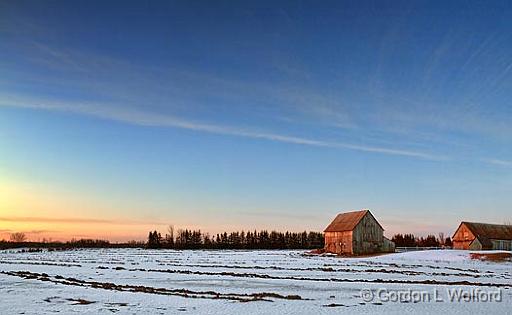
(356, 233)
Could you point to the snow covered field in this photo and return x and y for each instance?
(128, 281)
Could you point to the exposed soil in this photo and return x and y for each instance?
(58, 299)
(37, 263)
(240, 297)
(323, 269)
(80, 301)
(265, 276)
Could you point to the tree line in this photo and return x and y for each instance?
(409, 240)
(81, 243)
(19, 239)
(195, 239)
(185, 239)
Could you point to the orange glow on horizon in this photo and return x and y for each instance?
(42, 213)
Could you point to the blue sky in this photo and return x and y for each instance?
(253, 115)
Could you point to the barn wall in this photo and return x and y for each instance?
(502, 244)
(388, 246)
(462, 237)
(338, 242)
(368, 236)
(475, 245)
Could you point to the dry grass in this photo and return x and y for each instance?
(494, 257)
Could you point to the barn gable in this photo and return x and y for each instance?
(348, 221)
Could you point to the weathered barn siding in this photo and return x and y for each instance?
(388, 246)
(338, 242)
(463, 237)
(475, 245)
(502, 244)
(368, 236)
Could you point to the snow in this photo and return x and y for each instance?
(128, 281)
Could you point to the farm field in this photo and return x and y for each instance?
(128, 281)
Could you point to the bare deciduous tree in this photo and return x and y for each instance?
(441, 238)
(18, 237)
(170, 231)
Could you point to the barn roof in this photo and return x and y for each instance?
(487, 231)
(347, 221)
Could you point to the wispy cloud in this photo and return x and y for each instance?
(498, 162)
(39, 231)
(289, 216)
(53, 220)
(4, 231)
(139, 117)
(178, 90)
(74, 220)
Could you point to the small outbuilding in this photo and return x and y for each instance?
(356, 233)
(481, 236)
